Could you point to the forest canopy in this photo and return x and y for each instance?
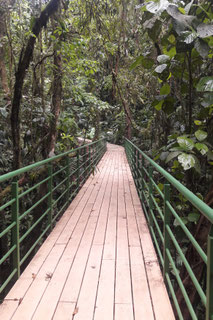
(113, 68)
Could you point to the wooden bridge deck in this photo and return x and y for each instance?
(99, 262)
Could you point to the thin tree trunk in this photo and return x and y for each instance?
(3, 71)
(56, 101)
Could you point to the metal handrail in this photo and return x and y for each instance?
(160, 216)
(59, 178)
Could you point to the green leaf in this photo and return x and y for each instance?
(147, 63)
(198, 122)
(193, 217)
(202, 48)
(173, 155)
(186, 160)
(161, 68)
(202, 148)
(163, 58)
(136, 63)
(200, 135)
(158, 106)
(205, 84)
(157, 7)
(186, 143)
(188, 7)
(205, 30)
(165, 90)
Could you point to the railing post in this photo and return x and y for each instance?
(209, 293)
(15, 230)
(67, 178)
(142, 180)
(89, 168)
(50, 197)
(78, 171)
(167, 219)
(150, 196)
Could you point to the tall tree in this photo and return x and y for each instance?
(24, 61)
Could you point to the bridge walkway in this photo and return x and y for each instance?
(99, 262)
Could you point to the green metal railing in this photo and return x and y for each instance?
(34, 197)
(160, 211)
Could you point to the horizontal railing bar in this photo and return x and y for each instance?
(180, 315)
(157, 245)
(59, 171)
(182, 288)
(34, 245)
(17, 172)
(61, 196)
(7, 254)
(34, 225)
(5, 231)
(157, 188)
(157, 226)
(188, 268)
(59, 184)
(157, 207)
(21, 195)
(9, 203)
(188, 233)
(199, 204)
(59, 212)
(8, 280)
(34, 206)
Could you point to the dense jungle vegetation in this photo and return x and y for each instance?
(111, 68)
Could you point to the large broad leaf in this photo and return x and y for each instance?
(202, 48)
(200, 135)
(163, 58)
(187, 160)
(136, 63)
(157, 7)
(161, 68)
(165, 90)
(205, 84)
(149, 24)
(147, 63)
(172, 155)
(188, 7)
(158, 106)
(183, 19)
(205, 30)
(202, 148)
(193, 217)
(186, 143)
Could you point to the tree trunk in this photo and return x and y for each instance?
(24, 61)
(3, 71)
(56, 101)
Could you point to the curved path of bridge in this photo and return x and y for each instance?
(99, 262)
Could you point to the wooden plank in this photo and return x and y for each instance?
(65, 311)
(73, 283)
(87, 297)
(124, 312)
(30, 301)
(7, 309)
(48, 303)
(104, 307)
(140, 286)
(161, 303)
